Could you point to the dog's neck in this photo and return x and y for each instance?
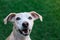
(18, 36)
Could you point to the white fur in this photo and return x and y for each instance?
(17, 24)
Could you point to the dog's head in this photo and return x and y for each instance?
(23, 22)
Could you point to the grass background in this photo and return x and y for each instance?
(49, 29)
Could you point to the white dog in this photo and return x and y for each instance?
(22, 24)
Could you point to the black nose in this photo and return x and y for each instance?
(25, 24)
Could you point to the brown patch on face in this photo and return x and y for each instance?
(10, 17)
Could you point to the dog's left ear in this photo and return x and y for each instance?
(36, 15)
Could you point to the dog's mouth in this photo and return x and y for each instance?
(25, 32)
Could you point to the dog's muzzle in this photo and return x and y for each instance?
(24, 32)
(25, 24)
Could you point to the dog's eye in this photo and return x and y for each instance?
(18, 18)
(30, 18)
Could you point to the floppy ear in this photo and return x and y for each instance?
(9, 18)
(36, 15)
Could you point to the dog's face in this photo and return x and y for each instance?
(23, 22)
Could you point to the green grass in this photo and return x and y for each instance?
(49, 29)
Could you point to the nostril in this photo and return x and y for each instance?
(25, 24)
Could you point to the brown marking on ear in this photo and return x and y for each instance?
(35, 15)
(10, 17)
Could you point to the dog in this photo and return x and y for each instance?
(22, 24)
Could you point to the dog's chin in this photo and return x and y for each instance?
(24, 32)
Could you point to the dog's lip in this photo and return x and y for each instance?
(20, 31)
(25, 32)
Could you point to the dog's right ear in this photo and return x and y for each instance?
(9, 18)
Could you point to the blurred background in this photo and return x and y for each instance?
(49, 29)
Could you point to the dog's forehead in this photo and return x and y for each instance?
(25, 14)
